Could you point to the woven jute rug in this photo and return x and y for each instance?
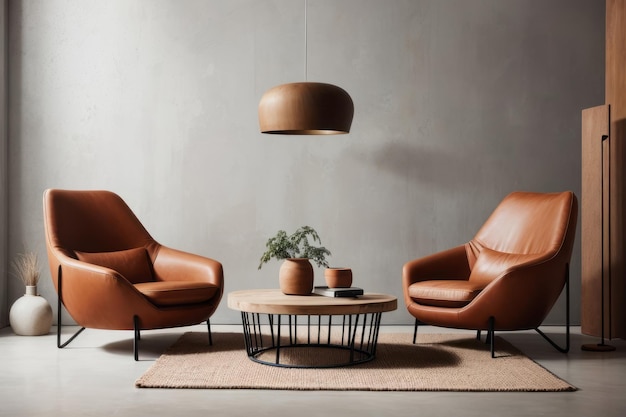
(438, 362)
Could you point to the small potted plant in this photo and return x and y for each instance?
(296, 272)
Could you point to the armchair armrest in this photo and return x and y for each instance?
(522, 294)
(175, 265)
(448, 264)
(88, 291)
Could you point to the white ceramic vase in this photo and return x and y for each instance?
(31, 314)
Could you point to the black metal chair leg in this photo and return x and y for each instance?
(59, 304)
(492, 336)
(553, 343)
(478, 333)
(415, 330)
(567, 321)
(137, 337)
(59, 325)
(68, 341)
(208, 325)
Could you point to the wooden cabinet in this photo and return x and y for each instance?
(603, 202)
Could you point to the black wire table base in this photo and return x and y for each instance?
(314, 341)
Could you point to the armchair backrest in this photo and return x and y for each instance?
(528, 223)
(92, 221)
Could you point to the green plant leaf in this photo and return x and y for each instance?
(296, 245)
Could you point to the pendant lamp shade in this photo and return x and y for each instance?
(306, 108)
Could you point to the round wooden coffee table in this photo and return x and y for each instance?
(277, 327)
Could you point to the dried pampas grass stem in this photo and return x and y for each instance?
(27, 268)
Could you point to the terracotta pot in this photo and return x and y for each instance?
(338, 277)
(296, 276)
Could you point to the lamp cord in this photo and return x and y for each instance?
(306, 42)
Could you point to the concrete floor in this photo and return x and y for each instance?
(95, 375)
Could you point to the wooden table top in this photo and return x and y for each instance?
(275, 302)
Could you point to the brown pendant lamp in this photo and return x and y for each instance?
(306, 108)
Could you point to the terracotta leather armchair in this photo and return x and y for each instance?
(109, 273)
(508, 277)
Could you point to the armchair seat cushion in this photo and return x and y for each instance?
(445, 293)
(171, 293)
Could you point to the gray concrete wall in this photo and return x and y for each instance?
(457, 103)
